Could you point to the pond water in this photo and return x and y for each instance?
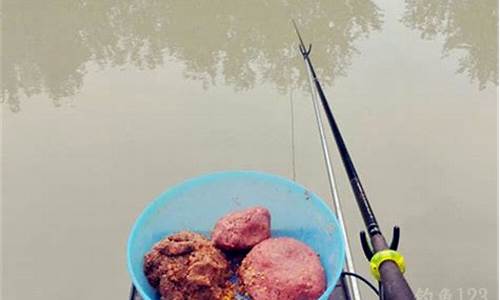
(107, 103)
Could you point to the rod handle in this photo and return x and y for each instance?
(395, 286)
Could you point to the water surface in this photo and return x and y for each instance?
(107, 103)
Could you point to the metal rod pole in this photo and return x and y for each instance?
(352, 284)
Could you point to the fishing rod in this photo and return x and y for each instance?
(387, 265)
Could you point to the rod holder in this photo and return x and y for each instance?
(365, 244)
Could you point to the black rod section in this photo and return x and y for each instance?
(359, 193)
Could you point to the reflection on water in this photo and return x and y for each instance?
(469, 26)
(47, 44)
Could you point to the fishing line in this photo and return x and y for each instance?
(292, 133)
(363, 279)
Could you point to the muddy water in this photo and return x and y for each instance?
(107, 103)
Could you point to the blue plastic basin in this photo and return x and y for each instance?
(196, 205)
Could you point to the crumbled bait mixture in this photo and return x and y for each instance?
(186, 266)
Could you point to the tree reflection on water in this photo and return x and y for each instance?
(469, 27)
(47, 45)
